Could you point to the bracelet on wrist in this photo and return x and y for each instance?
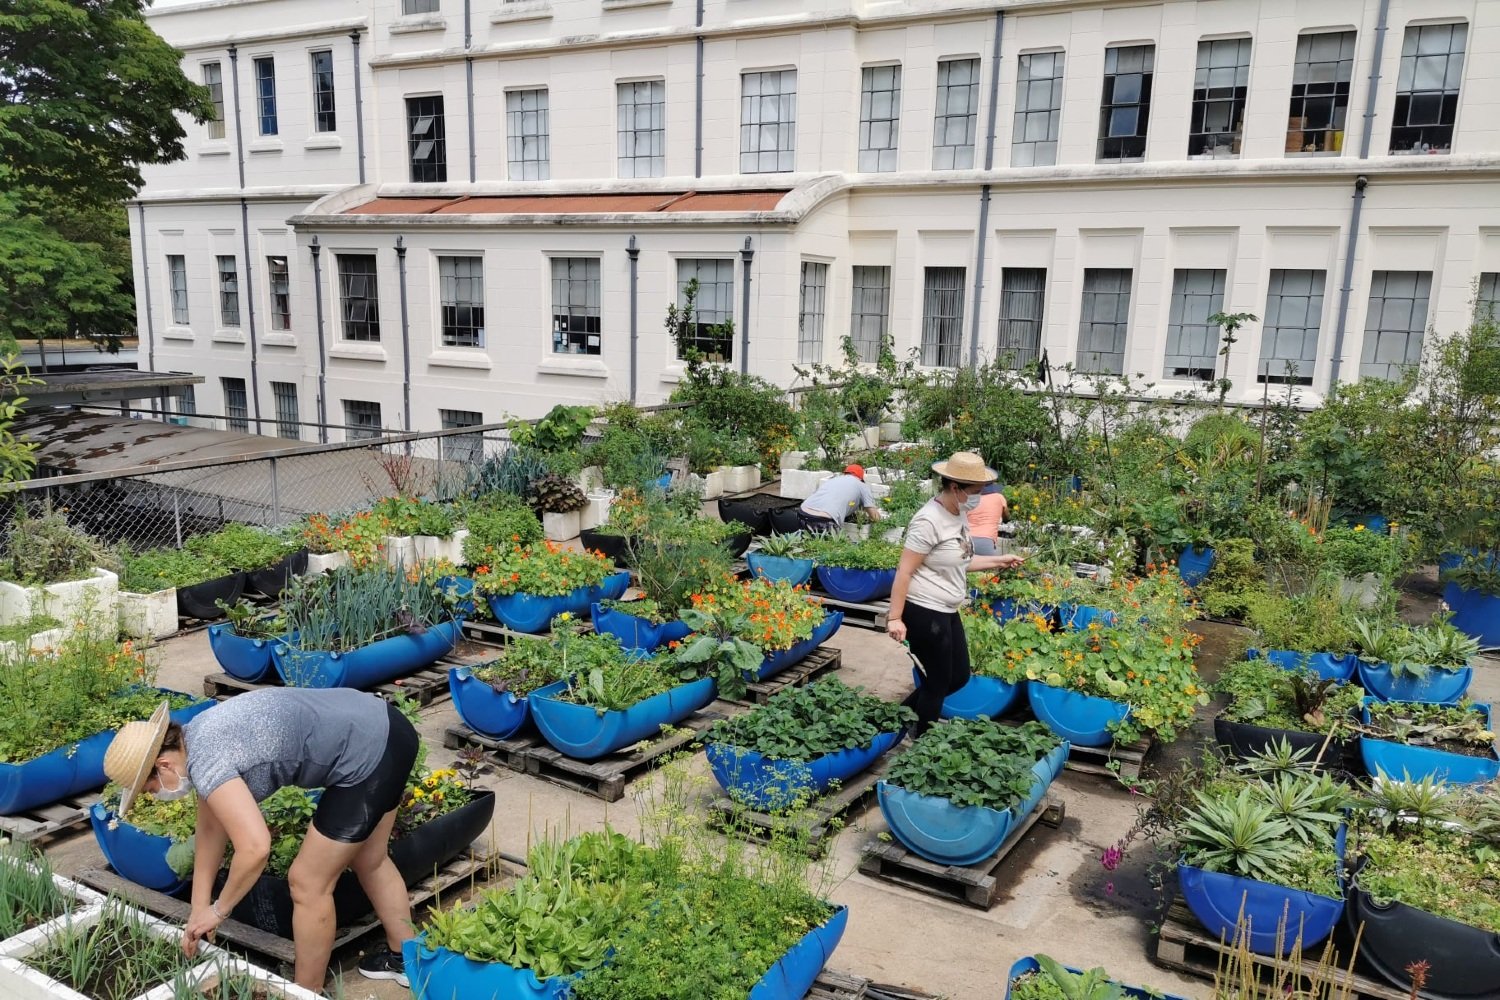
(214, 905)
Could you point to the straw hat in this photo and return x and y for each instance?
(965, 467)
(132, 754)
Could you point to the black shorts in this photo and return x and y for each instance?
(350, 813)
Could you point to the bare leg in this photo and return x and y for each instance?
(383, 885)
(311, 879)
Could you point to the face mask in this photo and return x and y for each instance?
(968, 503)
(184, 788)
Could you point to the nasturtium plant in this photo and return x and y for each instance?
(847, 553)
(1005, 650)
(801, 723)
(973, 762)
(544, 570)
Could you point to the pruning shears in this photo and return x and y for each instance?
(906, 645)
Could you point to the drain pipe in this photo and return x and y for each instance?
(984, 190)
(140, 214)
(469, 77)
(405, 337)
(634, 253)
(1351, 245)
(317, 256)
(359, 106)
(698, 102)
(250, 313)
(234, 83)
(747, 254)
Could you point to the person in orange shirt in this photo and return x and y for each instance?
(985, 519)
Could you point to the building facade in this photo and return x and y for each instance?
(414, 214)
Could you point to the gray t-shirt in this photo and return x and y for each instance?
(941, 582)
(839, 496)
(288, 736)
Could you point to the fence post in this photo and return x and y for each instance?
(177, 515)
(275, 496)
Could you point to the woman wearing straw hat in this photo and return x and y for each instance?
(356, 747)
(932, 584)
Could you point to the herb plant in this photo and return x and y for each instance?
(405, 515)
(544, 570)
(115, 958)
(47, 549)
(608, 679)
(1460, 728)
(869, 553)
(498, 521)
(1053, 982)
(793, 545)
(350, 608)
(28, 896)
(1414, 650)
(250, 621)
(801, 723)
(241, 547)
(1264, 694)
(973, 762)
(157, 569)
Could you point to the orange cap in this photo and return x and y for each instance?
(857, 471)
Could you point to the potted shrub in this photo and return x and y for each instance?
(753, 629)
(1313, 630)
(1452, 742)
(355, 540)
(50, 568)
(801, 741)
(418, 530)
(527, 586)
(1038, 977)
(630, 514)
(63, 710)
(1158, 599)
(958, 791)
(242, 645)
(667, 571)
(782, 558)
(558, 500)
(855, 571)
(359, 628)
(1415, 663)
(1268, 705)
(493, 698)
(497, 521)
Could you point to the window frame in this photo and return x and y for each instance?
(1181, 326)
(702, 336)
(1013, 325)
(1487, 296)
(1273, 327)
(1209, 98)
(236, 410)
(518, 164)
(472, 445)
(942, 344)
(1109, 105)
(955, 156)
(265, 95)
(812, 310)
(1374, 342)
(859, 319)
(1409, 95)
(452, 333)
(1088, 357)
(581, 292)
(324, 119)
(754, 123)
(413, 8)
(879, 158)
(427, 149)
(1336, 94)
(279, 299)
(369, 325)
(182, 317)
(356, 425)
(1028, 84)
(628, 141)
(213, 79)
(288, 417)
(229, 290)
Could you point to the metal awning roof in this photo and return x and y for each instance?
(103, 385)
(577, 204)
(71, 441)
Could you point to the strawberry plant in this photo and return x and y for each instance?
(973, 762)
(805, 722)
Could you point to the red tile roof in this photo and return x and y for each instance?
(576, 204)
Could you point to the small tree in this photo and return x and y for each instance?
(1230, 323)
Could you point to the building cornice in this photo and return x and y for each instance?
(228, 196)
(289, 33)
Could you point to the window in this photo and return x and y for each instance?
(1039, 84)
(229, 292)
(1289, 335)
(285, 394)
(1125, 107)
(324, 117)
(1105, 320)
(527, 133)
(870, 312)
(1395, 322)
(879, 117)
(1320, 92)
(711, 329)
(419, 6)
(942, 316)
(641, 124)
(361, 419)
(187, 400)
(358, 296)
(461, 295)
(956, 115)
(575, 305)
(1432, 66)
(281, 293)
(265, 94)
(468, 448)
(768, 122)
(177, 284)
(1487, 302)
(1192, 340)
(1022, 291)
(236, 410)
(1219, 89)
(213, 79)
(426, 141)
(810, 311)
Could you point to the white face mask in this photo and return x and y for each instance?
(184, 788)
(968, 503)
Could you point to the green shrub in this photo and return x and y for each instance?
(499, 520)
(241, 547)
(157, 569)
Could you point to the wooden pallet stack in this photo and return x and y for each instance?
(49, 822)
(1110, 761)
(870, 614)
(819, 663)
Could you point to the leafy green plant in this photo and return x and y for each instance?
(249, 621)
(1233, 581)
(115, 958)
(1054, 982)
(496, 521)
(1264, 694)
(669, 571)
(350, 608)
(1318, 621)
(28, 896)
(801, 723)
(46, 549)
(869, 553)
(1004, 650)
(555, 494)
(1355, 551)
(1241, 835)
(717, 649)
(560, 430)
(973, 762)
(22, 631)
(157, 569)
(410, 516)
(602, 675)
(241, 547)
(793, 545)
(545, 570)
(1460, 728)
(508, 473)
(1414, 651)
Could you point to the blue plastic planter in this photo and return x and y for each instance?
(1194, 564)
(778, 661)
(1083, 719)
(582, 733)
(1438, 686)
(855, 586)
(982, 698)
(1375, 522)
(1474, 613)
(483, 709)
(635, 632)
(463, 589)
(1027, 965)
(793, 974)
(1081, 616)
(1415, 763)
(369, 665)
(68, 770)
(440, 974)
(781, 569)
(245, 659)
(771, 783)
(1328, 666)
(662, 482)
(135, 854)
(533, 614)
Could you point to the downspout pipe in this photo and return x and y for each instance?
(317, 259)
(359, 105)
(234, 84)
(140, 214)
(984, 191)
(747, 255)
(633, 251)
(469, 78)
(698, 101)
(405, 338)
(250, 314)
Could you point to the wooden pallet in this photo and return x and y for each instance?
(832, 985)
(1096, 760)
(425, 686)
(870, 615)
(49, 822)
(496, 634)
(269, 948)
(974, 885)
(821, 661)
(817, 820)
(605, 778)
(1183, 944)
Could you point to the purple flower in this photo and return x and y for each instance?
(1109, 888)
(1110, 859)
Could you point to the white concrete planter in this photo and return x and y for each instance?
(711, 483)
(893, 535)
(149, 616)
(561, 527)
(429, 548)
(741, 478)
(82, 898)
(591, 478)
(45, 642)
(871, 436)
(890, 432)
(324, 562)
(208, 975)
(856, 532)
(793, 460)
(877, 490)
(596, 511)
(799, 484)
(1363, 589)
(95, 599)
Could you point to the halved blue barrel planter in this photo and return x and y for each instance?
(531, 613)
(440, 973)
(135, 854)
(856, 586)
(1328, 666)
(1398, 760)
(793, 974)
(1027, 965)
(486, 711)
(369, 665)
(1081, 616)
(582, 733)
(777, 661)
(463, 589)
(246, 659)
(1005, 609)
(68, 770)
(635, 632)
(1194, 564)
(782, 569)
(1437, 686)
(771, 783)
(982, 698)
(1083, 719)
(1475, 613)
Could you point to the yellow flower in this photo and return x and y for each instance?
(417, 793)
(1359, 527)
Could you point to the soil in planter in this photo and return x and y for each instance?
(766, 502)
(1450, 728)
(120, 958)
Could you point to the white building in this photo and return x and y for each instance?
(424, 213)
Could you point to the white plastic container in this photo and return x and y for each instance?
(149, 616)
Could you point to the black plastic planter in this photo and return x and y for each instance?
(613, 546)
(423, 850)
(737, 544)
(756, 511)
(272, 580)
(786, 520)
(1464, 961)
(1242, 740)
(198, 600)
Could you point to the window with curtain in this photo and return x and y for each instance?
(870, 310)
(1192, 340)
(942, 316)
(1104, 323)
(1022, 294)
